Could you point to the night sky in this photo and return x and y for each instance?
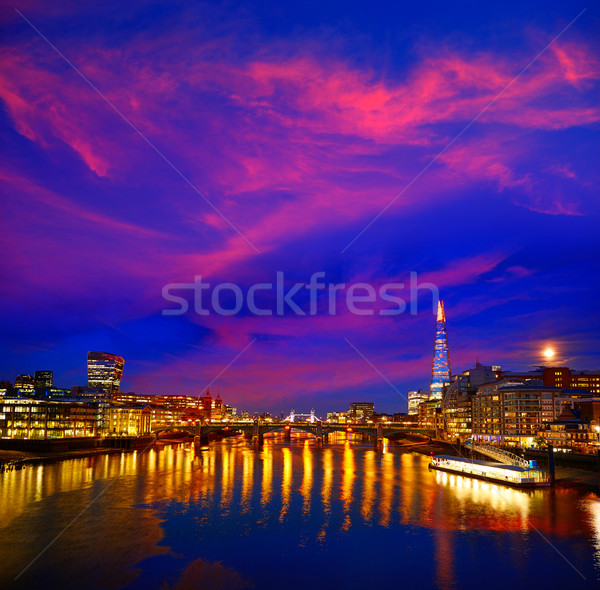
(299, 122)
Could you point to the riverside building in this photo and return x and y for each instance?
(415, 399)
(458, 396)
(513, 412)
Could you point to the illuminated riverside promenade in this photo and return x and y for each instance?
(343, 515)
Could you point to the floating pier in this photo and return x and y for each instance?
(513, 475)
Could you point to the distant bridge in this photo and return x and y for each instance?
(321, 430)
(293, 417)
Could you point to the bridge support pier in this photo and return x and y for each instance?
(287, 434)
(200, 441)
(379, 438)
(319, 434)
(258, 438)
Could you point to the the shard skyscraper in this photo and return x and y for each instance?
(440, 372)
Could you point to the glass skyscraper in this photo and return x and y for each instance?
(104, 371)
(440, 372)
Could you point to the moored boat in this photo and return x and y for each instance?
(512, 475)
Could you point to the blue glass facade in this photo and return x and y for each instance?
(440, 372)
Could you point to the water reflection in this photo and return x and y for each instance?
(286, 483)
(368, 492)
(267, 475)
(301, 496)
(348, 476)
(307, 478)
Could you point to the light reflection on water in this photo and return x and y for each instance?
(341, 515)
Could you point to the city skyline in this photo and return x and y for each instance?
(299, 294)
(307, 150)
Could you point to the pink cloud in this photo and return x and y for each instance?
(500, 161)
(71, 209)
(579, 66)
(264, 370)
(238, 331)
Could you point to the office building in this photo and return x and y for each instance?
(43, 379)
(458, 396)
(440, 371)
(430, 416)
(512, 412)
(25, 385)
(361, 411)
(129, 420)
(561, 377)
(41, 419)
(416, 398)
(104, 371)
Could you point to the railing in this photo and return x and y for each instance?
(498, 473)
(500, 455)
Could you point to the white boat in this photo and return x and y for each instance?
(513, 475)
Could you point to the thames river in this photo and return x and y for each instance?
(289, 516)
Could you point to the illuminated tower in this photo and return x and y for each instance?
(105, 371)
(440, 372)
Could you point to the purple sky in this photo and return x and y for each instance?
(299, 124)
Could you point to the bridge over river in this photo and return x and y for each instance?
(320, 430)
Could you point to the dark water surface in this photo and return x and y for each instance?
(287, 516)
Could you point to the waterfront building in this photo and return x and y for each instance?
(43, 379)
(129, 420)
(207, 403)
(383, 417)
(406, 419)
(28, 418)
(590, 410)
(458, 397)
(174, 402)
(569, 432)
(561, 377)
(165, 416)
(457, 414)
(415, 398)
(512, 412)
(177, 409)
(430, 415)
(104, 371)
(216, 413)
(339, 417)
(360, 412)
(440, 371)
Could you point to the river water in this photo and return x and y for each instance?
(289, 516)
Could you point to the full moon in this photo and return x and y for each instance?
(549, 353)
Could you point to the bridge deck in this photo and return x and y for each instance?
(261, 428)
